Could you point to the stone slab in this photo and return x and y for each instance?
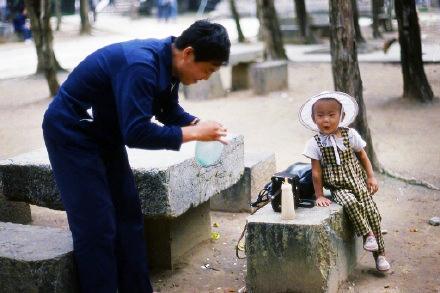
(269, 76)
(169, 183)
(258, 169)
(168, 240)
(315, 252)
(205, 89)
(36, 259)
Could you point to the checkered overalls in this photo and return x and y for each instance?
(347, 182)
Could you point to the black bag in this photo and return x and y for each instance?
(300, 177)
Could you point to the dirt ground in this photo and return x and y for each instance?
(405, 136)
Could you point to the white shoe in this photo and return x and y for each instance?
(382, 264)
(370, 244)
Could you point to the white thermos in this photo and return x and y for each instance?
(287, 204)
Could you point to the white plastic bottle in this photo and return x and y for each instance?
(287, 203)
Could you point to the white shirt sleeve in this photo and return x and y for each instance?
(312, 150)
(356, 141)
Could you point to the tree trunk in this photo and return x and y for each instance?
(270, 30)
(58, 14)
(39, 13)
(345, 68)
(302, 19)
(236, 16)
(415, 83)
(86, 27)
(375, 8)
(357, 28)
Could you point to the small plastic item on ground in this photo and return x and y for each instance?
(216, 225)
(413, 230)
(208, 153)
(434, 221)
(215, 235)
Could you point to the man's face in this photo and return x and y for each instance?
(190, 71)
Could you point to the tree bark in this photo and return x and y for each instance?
(357, 28)
(345, 67)
(415, 83)
(58, 14)
(375, 8)
(236, 16)
(302, 19)
(86, 27)
(270, 30)
(39, 13)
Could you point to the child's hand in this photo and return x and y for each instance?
(372, 185)
(323, 201)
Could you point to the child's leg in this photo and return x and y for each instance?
(355, 210)
(374, 220)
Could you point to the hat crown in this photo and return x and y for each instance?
(350, 109)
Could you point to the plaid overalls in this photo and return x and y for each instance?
(348, 185)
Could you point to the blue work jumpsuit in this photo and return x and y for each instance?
(105, 104)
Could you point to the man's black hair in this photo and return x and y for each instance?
(210, 42)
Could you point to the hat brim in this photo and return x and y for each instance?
(349, 107)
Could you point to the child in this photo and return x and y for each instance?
(335, 153)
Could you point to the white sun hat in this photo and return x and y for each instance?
(349, 107)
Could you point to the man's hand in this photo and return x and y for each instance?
(205, 131)
(372, 185)
(322, 201)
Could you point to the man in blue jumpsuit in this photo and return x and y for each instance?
(107, 103)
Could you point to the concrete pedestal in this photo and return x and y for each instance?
(168, 239)
(258, 169)
(315, 252)
(269, 76)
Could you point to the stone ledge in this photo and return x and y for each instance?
(169, 183)
(315, 252)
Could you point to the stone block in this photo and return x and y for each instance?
(315, 252)
(205, 89)
(168, 240)
(240, 76)
(241, 58)
(36, 259)
(14, 212)
(169, 183)
(269, 76)
(258, 169)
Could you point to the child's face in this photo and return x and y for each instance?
(327, 115)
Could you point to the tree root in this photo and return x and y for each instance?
(412, 181)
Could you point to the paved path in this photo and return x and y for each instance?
(19, 59)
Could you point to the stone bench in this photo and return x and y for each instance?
(269, 76)
(315, 252)
(258, 169)
(36, 259)
(174, 192)
(240, 59)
